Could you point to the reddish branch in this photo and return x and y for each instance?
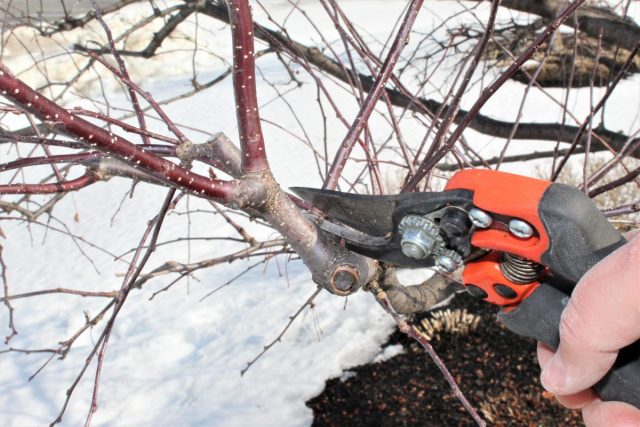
(107, 142)
(58, 187)
(244, 85)
(124, 126)
(44, 160)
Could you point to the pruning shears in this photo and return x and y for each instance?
(524, 244)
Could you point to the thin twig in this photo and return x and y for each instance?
(308, 302)
(340, 160)
(429, 162)
(6, 298)
(411, 331)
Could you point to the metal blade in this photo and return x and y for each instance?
(353, 235)
(369, 214)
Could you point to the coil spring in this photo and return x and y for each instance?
(520, 270)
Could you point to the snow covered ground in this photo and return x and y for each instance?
(176, 360)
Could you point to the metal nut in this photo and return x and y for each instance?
(419, 236)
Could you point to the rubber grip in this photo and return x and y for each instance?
(579, 234)
(538, 317)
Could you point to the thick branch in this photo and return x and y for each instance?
(417, 298)
(254, 157)
(594, 21)
(219, 149)
(332, 266)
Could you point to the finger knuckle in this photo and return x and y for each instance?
(572, 328)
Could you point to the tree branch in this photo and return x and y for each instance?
(254, 157)
(331, 181)
(481, 123)
(96, 137)
(429, 162)
(58, 187)
(591, 20)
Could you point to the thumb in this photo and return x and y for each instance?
(602, 316)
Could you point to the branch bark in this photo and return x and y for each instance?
(420, 297)
(95, 137)
(254, 159)
(594, 21)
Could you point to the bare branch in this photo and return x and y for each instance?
(414, 333)
(331, 181)
(108, 294)
(429, 162)
(110, 143)
(266, 348)
(59, 187)
(6, 298)
(254, 159)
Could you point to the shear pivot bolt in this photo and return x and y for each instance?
(520, 228)
(344, 280)
(480, 218)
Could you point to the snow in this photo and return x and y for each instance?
(176, 360)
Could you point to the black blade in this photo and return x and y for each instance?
(370, 214)
(371, 220)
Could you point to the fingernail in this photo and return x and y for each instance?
(553, 375)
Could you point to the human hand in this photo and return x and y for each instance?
(602, 316)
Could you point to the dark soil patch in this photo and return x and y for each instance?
(496, 369)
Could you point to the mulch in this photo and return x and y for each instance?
(496, 370)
